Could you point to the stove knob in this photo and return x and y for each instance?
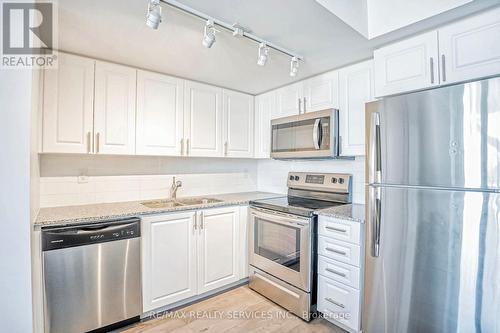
(334, 180)
(341, 180)
(291, 177)
(297, 178)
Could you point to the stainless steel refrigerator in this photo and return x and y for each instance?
(432, 261)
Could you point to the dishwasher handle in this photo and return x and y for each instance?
(88, 234)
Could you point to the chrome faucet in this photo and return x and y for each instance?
(173, 189)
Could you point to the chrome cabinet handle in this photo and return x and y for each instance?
(432, 70)
(305, 105)
(195, 224)
(187, 147)
(182, 147)
(225, 148)
(97, 136)
(89, 143)
(375, 219)
(335, 272)
(336, 229)
(335, 303)
(202, 220)
(300, 106)
(336, 251)
(443, 67)
(375, 163)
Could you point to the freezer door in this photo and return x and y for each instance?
(447, 137)
(432, 261)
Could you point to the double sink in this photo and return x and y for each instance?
(185, 202)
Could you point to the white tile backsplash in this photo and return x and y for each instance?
(64, 191)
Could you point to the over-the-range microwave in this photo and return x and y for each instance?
(313, 135)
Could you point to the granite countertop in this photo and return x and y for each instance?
(73, 215)
(351, 212)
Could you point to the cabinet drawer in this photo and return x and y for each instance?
(339, 303)
(334, 249)
(338, 271)
(341, 230)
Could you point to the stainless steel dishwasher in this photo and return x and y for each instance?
(92, 276)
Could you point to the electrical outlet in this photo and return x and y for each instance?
(83, 179)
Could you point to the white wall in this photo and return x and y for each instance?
(272, 175)
(388, 15)
(15, 256)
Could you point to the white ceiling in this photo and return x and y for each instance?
(115, 30)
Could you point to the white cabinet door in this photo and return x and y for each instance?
(356, 89)
(203, 119)
(68, 106)
(411, 64)
(321, 92)
(160, 122)
(218, 248)
(470, 48)
(168, 259)
(265, 110)
(114, 113)
(289, 100)
(238, 124)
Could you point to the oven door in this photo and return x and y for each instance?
(310, 135)
(281, 245)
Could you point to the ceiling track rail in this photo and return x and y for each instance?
(228, 27)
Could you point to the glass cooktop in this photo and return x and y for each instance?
(294, 205)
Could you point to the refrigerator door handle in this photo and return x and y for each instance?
(375, 165)
(375, 219)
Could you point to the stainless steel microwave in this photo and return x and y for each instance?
(309, 135)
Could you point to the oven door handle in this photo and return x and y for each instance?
(298, 222)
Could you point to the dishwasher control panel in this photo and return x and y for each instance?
(88, 234)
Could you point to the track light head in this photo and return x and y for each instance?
(263, 54)
(209, 35)
(153, 16)
(294, 66)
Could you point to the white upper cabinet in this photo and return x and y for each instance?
(68, 106)
(203, 120)
(265, 110)
(160, 114)
(289, 100)
(470, 48)
(321, 92)
(114, 112)
(218, 248)
(238, 123)
(466, 50)
(411, 64)
(356, 89)
(169, 265)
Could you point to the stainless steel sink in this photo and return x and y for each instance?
(161, 204)
(179, 202)
(197, 201)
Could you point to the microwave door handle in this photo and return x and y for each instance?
(316, 134)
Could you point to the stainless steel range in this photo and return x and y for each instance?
(282, 239)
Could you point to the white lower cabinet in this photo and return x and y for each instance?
(218, 248)
(340, 272)
(189, 253)
(168, 259)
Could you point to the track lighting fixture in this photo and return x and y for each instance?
(294, 66)
(238, 30)
(209, 35)
(263, 54)
(153, 17)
